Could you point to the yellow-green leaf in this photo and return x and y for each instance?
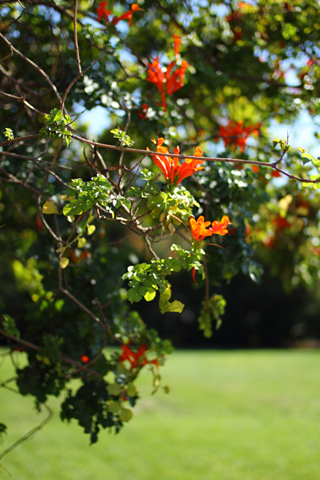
(64, 262)
(91, 229)
(125, 415)
(131, 390)
(114, 407)
(81, 242)
(175, 307)
(49, 207)
(114, 389)
(164, 304)
(150, 295)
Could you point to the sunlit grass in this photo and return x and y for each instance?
(244, 415)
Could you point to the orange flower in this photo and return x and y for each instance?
(127, 15)
(170, 82)
(220, 228)
(103, 12)
(236, 135)
(170, 166)
(199, 228)
(177, 41)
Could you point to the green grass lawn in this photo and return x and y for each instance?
(240, 415)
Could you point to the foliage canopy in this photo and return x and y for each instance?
(86, 222)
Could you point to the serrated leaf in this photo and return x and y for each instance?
(81, 242)
(91, 229)
(49, 207)
(64, 262)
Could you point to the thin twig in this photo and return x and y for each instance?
(34, 65)
(36, 347)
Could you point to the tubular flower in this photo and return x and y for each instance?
(190, 166)
(156, 76)
(175, 81)
(236, 135)
(127, 15)
(220, 228)
(170, 166)
(199, 228)
(168, 83)
(177, 41)
(103, 12)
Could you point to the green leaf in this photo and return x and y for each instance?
(91, 229)
(49, 207)
(166, 306)
(151, 293)
(125, 139)
(125, 415)
(81, 242)
(134, 295)
(64, 262)
(114, 407)
(114, 389)
(8, 133)
(9, 326)
(131, 390)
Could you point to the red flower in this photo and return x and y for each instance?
(177, 41)
(236, 135)
(281, 223)
(127, 15)
(84, 358)
(103, 12)
(73, 255)
(38, 223)
(275, 174)
(156, 76)
(142, 114)
(220, 228)
(85, 254)
(135, 358)
(170, 82)
(170, 166)
(255, 168)
(175, 81)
